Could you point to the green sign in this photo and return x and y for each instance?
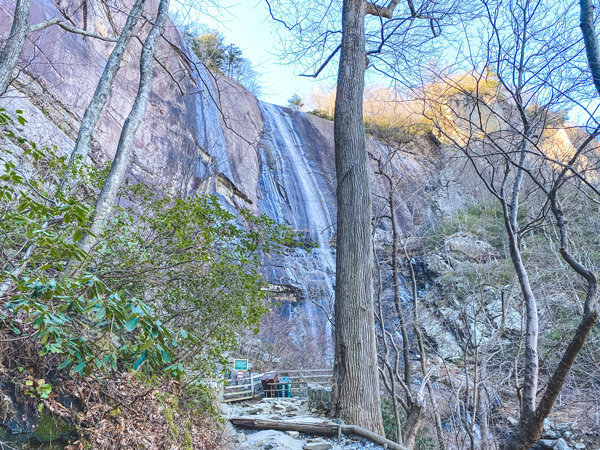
(240, 364)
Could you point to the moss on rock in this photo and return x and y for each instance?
(52, 428)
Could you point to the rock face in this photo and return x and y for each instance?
(202, 133)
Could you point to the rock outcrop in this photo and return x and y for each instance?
(202, 133)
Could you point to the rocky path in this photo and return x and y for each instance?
(298, 410)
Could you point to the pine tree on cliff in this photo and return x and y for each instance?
(108, 194)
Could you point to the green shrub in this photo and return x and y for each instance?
(169, 285)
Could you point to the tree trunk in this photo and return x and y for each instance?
(108, 194)
(591, 41)
(92, 113)
(531, 431)
(14, 44)
(412, 424)
(356, 396)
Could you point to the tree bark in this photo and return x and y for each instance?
(323, 428)
(108, 194)
(14, 44)
(591, 41)
(92, 113)
(356, 397)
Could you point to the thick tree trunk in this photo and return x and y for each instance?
(108, 194)
(14, 44)
(356, 397)
(92, 113)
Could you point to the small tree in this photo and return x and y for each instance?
(210, 49)
(295, 102)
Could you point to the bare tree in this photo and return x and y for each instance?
(404, 387)
(92, 113)
(503, 132)
(590, 40)
(20, 29)
(355, 385)
(355, 380)
(108, 194)
(14, 44)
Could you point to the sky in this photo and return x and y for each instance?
(247, 24)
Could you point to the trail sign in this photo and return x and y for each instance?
(240, 364)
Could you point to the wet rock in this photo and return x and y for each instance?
(546, 443)
(561, 444)
(551, 434)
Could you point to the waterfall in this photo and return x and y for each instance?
(291, 192)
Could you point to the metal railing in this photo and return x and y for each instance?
(250, 387)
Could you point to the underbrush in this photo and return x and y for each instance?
(127, 409)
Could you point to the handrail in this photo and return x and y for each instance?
(244, 388)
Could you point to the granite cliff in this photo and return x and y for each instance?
(202, 133)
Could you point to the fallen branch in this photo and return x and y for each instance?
(329, 429)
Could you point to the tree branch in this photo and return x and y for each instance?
(320, 69)
(72, 29)
(386, 12)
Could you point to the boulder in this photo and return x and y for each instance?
(317, 444)
(466, 247)
(319, 397)
(270, 440)
(551, 434)
(561, 444)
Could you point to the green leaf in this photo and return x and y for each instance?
(77, 235)
(131, 323)
(65, 363)
(79, 368)
(139, 361)
(165, 356)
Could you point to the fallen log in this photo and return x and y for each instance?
(328, 429)
(319, 428)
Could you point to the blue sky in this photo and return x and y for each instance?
(247, 24)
